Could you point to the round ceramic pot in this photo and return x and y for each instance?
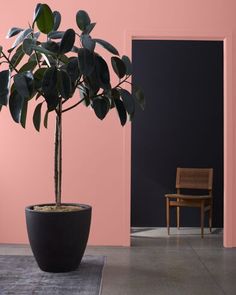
(58, 239)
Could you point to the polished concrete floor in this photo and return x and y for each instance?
(157, 264)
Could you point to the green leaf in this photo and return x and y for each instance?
(128, 64)
(45, 19)
(121, 111)
(101, 107)
(34, 57)
(37, 116)
(89, 28)
(67, 41)
(13, 31)
(16, 102)
(21, 38)
(29, 66)
(87, 42)
(128, 101)
(102, 72)
(51, 46)
(57, 20)
(38, 77)
(64, 84)
(24, 84)
(36, 13)
(1, 50)
(45, 121)
(49, 81)
(140, 97)
(52, 100)
(107, 46)
(118, 66)
(27, 45)
(86, 61)
(82, 19)
(24, 114)
(42, 50)
(72, 68)
(56, 34)
(4, 86)
(17, 57)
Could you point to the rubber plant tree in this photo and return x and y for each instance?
(50, 66)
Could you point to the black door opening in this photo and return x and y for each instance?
(182, 125)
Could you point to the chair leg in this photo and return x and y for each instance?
(178, 213)
(210, 217)
(202, 218)
(168, 215)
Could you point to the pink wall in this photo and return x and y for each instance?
(97, 154)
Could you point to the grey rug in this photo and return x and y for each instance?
(20, 275)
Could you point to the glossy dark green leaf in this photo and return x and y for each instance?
(57, 20)
(24, 84)
(36, 35)
(51, 46)
(64, 84)
(128, 101)
(21, 38)
(37, 116)
(0, 50)
(72, 68)
(4, 87)
(42, 50)
(36, 13)
(82, 19)
(38, 76)
(92, 83)
(29, 66)
(52, 100)
(128, 64)
(16, 102)
(86, 61)
(102, 72)
(107, 46)
(140, 97)
(89, 28)
(27, 45)
(17, 57)
(87, 42)
(101, 107)
(115, 94)
(45, 19)
(67, 41)
(56, 34)
(45, 121)
(49, 81)
(13, 31)
(118, 66)
(24, 113)
(34, 57)
(121, 111)
(75, 49)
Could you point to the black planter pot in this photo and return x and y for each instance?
(58, 239)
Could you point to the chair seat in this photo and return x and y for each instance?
(188, 197)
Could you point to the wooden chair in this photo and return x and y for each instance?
(191, 178)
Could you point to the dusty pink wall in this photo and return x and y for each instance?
(97, 154)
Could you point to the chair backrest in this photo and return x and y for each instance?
(194, 178)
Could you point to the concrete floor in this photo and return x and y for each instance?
(157, 264)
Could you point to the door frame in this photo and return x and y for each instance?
(229, 170)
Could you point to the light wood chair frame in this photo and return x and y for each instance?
(200, 179)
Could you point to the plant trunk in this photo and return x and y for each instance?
(58, 155)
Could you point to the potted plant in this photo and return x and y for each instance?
(50, 66)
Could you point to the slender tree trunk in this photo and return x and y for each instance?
(58, 156)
